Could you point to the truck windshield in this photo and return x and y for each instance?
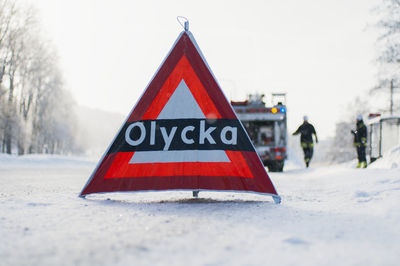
(261, 132)
(266, 133)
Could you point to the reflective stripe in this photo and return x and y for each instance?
(364, 141)
(307, 144)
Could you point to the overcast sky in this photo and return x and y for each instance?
(321, 52)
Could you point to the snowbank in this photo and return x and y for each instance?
(43, 161)
(390, 160)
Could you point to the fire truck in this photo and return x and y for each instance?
(266, 127)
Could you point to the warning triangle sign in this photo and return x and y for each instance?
(182, 134)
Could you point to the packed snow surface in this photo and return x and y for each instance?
(329, 215)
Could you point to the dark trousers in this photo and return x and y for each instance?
(308, 149)
(362, 157)
(308, 153)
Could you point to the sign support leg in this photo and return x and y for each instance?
(277, 199)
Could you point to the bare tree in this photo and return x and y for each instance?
(389, 50)
(34, 106)
(20, 30)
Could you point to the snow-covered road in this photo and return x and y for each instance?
(330, 215)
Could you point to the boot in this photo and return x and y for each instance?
(359, 165)
(364, 165)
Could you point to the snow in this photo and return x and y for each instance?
(42, 161)
(391, 160)
(329, 215)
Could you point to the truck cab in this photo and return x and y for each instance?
(266, 127)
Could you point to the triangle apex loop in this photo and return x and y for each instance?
(184, 22)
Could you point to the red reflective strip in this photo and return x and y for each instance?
(260, 183)
(121, 168)
(183, 70)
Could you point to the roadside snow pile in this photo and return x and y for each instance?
(390, 160)
(42, 161)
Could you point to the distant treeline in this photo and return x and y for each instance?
(35, 109)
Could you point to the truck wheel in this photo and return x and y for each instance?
(272, 166)
(275, 166)
(279, 165)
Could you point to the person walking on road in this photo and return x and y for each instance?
(306, 130)
(360, 141)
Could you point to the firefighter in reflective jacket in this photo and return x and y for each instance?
(306, 131)
(360, 141)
